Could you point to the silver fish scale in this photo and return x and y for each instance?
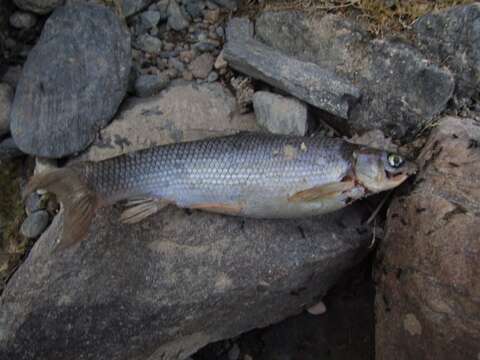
(244, 168)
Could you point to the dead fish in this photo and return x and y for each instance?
(252, 175)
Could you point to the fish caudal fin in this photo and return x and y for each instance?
(78, 200)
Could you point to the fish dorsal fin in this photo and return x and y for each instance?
(322, 191)
(140, 209)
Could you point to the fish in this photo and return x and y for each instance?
(248, 174)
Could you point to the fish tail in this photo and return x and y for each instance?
(78, 200)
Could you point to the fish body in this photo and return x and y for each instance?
(253, 175)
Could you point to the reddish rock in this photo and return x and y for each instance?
(428, 295)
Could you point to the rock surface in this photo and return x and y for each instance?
(6, 98)
(73, 81)
(38, 6)
(401, 89)
(428, 297)
(280, 114)
(452, 38)
(177, 19)
(183, 112)
(165, 287)
(306, 81)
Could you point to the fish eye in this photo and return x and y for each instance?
(395, 161)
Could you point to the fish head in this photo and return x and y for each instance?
(380, 170)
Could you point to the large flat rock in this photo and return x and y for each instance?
(452, 37)
(307, 81)
(165, 287)
(183, 112)
(73, 81)
(402, 89)
(428, 294)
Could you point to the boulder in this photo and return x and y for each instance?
(428, 293)
(9, 150)
(73, 81)
(163, 288)
(280, 114)
(38, 6)
(315, 85)
(452, 38)
(401, 89)
(182, 112)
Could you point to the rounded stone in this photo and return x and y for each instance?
(34, 224)
(73, 81)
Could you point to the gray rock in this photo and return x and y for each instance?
(182, 112)
(401, 89)
(213, 76)
(146, 21)
(194, 8)
(38, 6)
(148, 43)
(452, 38)
(206, 46)
(6, 98)
(176, 64)
(279, 114)
(73, 81)
(131, 7)
(34, 224)
(202, 65)
(23, 20)
(147, 85)
(229, 4)
(9, 150)
(171, 284)
(319, 87)
(177, 19)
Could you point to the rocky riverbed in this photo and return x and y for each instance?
(393, 277)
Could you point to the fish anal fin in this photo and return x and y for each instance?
(140, 209)
(323, 191)
(229, 209)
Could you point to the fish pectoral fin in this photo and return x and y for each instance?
(323, 191)
(229, 209)
(140, 209)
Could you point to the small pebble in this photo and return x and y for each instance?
(317, 309)
(234, 352)
(23, 20)
(201, 66)
(34, 224)
(176, 64)
(148, 85)
(187, 75)
(212, 16)
(213, 76)
(220, 62)
(148, 43)
(33, 202)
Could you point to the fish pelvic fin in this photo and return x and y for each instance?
(324, 191)
(140, 209)
(78, 200)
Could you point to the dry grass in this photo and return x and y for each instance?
(383, 16)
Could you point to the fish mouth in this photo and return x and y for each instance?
(396, 178)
